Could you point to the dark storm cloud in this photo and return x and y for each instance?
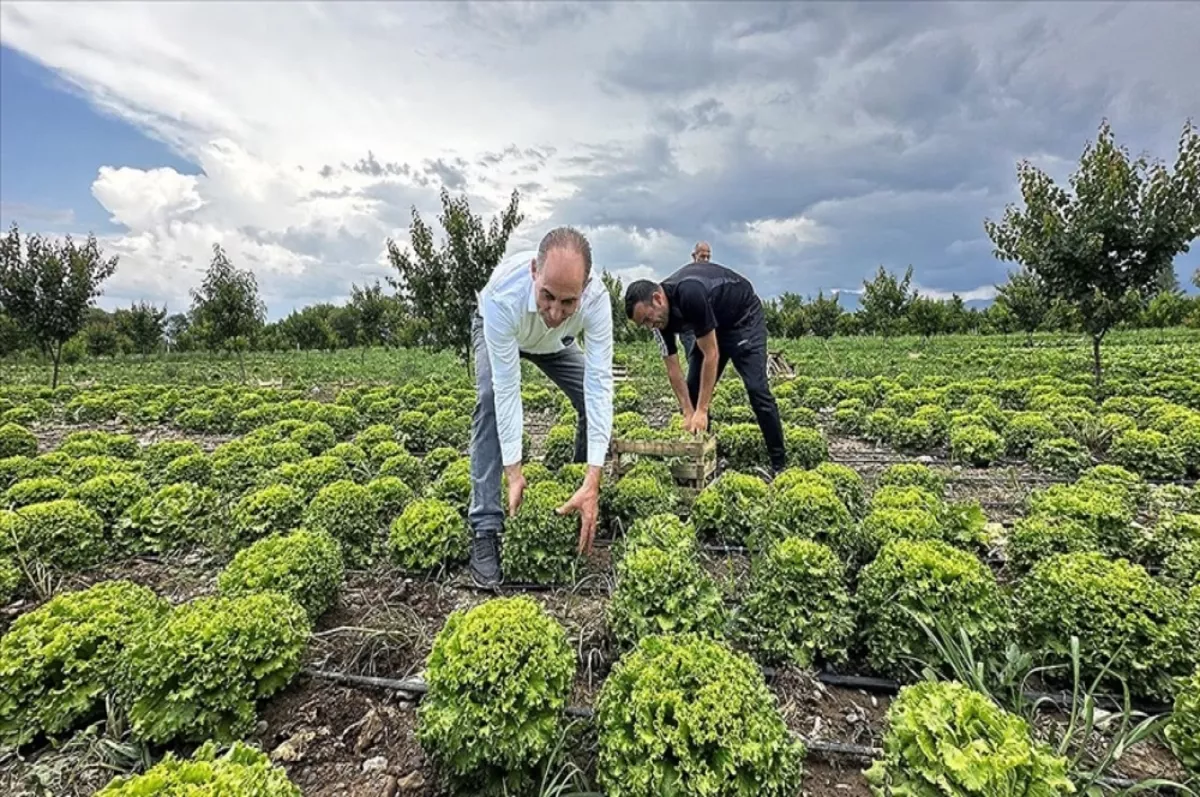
(933, 106)
(514, 154)
(451, 175)
(372, 167)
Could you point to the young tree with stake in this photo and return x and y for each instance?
(1103, 243)
(47, 288)
(226, 308)
(1025, 299)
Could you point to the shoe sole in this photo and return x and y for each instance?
(483, 584)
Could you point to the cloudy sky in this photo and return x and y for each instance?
(809, 143)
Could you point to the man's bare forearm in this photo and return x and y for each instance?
(591, 479)
(675, 376)
(708, 381)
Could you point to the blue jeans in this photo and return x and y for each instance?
(565, 369)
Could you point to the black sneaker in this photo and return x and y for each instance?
(485, 560)
(766, 474)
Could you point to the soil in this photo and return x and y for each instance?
(834, 777)
(343, 741)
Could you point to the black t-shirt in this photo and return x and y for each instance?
(707, 296)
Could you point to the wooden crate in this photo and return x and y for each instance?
(699, 455)
(778, 367)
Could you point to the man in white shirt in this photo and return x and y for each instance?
(535, 306)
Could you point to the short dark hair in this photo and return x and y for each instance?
(639, 291)
(570, 239)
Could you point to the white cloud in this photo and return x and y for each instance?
(139, 199)
(898, 114)
(982, 293)
(794, 233)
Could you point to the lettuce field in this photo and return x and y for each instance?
(980, 575)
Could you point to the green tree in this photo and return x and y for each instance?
(997, 319)
(793, 315)
(177, 332)
(47, 286)
(884, 302)
(823, 315)
(849, 324)
(347, 331)
(1063, 317)
(1026, 300)
(12, 337)
(959, 317)
(441, 282)
(1166, 309)
(143, 325)
(927, 316)
(1103, 243)
(101, 335)
(374, 311)
(309, 329)
(616, 300)
(226, 308)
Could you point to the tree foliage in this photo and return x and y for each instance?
(1103, 242)
(143, 324)
(885, 302)
(928, 316)
(309, 328)
(1025, 299)
(226, 308)
(823, 315)
(441, 282)
(47, 288)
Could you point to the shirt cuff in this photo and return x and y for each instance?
(510, 455)
(597, 454)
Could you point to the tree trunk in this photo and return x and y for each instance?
(242, 365)
(1096, 358)
(56, 353)
(1029, 339)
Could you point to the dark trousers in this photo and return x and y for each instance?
(746, 348)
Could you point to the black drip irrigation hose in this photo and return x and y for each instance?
(887, 686)
(417, 687)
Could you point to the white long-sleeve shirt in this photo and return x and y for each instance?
(511, 325)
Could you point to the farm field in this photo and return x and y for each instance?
(269, 544)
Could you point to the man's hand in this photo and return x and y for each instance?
(698, 422)
(585, 501)
(516, 487)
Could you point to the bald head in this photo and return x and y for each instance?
(560, 274)
(702, 253)
(567, 240)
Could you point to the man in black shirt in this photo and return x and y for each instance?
(718, 306)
